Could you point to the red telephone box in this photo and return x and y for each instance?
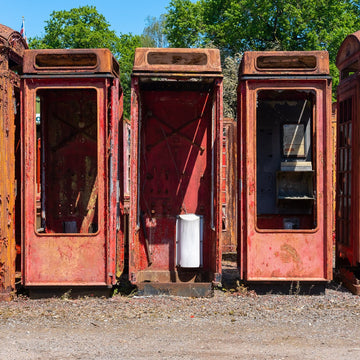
(12, 47)
(80, 106)
(285, 162)
(347, 170)
(176, 120)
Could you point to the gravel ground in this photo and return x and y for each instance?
(236, 324)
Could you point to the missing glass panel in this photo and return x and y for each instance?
(285, 166)
(67, 160)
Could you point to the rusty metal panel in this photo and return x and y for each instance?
(333, 150)
(70, 61)
(347, 59)
(176, 144)
(346, 201)
(348, 166)
(115, 256)
(124, 168)
(229, 194)
(7, 185)
(285, 227)
(12, 47)
(178, 61)
(285, 62)
(80, 202)
(126, 162)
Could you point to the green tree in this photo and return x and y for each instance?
(84, 27)
(234, 26)
(81, 27)
(183, 23)
(230, 73)
(153, 34)
(126, 50)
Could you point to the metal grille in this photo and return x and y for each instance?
(344, 152)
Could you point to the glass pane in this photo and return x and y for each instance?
(350, 131)
(345, 159)
(341, 161)
(350, 165)
(349, 184)
(340, 202)
(341, 136)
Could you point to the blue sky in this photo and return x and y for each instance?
(124, 16)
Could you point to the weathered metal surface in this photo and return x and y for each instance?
(333, 136)
(69, 61)
(348, 56)
(177, 61)
(228, 191)
(285, 235)
(80, 202)
(349, 280)
(116, 227)
(175, 162)
(348, 165)
(285, 63)
(12, 47)
(126, 162)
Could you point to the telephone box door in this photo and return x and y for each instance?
(285, 167)
(73, 240)
(175, 166)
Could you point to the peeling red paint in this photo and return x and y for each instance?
(279, 237)
(75, 240)
(175, 160)
(12, 47)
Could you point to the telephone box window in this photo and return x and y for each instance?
(67, 160)
(285, 165)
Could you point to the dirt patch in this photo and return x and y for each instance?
(233, 324)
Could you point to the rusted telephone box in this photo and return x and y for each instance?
(80, 106)
(12, 47)
(285, 162)
(347, 171)
(176, 120)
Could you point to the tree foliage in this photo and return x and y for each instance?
(126, 50)
(81, 27)
(238, 25)
(230, 73)
(153, 34)
(183, 23)
(235, 26)
(84, 27)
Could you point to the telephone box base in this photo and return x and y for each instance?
(176, 289)
(351, 280)
(66, 292)
(288, 287)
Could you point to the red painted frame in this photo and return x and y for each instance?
(163, 267)
(73, 259)
(278, 255)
